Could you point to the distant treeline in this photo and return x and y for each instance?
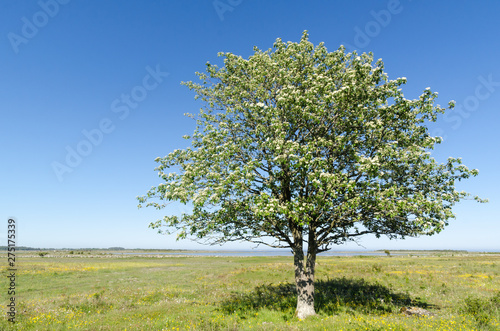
(25, 248)
(424, 250)
(20, 248)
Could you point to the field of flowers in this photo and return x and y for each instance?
(97, 291)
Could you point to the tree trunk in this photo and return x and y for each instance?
(304, 281)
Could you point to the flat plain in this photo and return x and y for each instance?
(96, 290)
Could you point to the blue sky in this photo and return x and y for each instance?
(91, 95)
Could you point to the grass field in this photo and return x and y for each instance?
(96, 291)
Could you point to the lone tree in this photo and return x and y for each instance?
(297, 147)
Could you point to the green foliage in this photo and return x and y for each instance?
(297, 138)
(483, 310)
(42, 254)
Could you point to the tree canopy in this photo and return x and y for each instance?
(300, 146)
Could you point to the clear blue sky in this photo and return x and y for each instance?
(66, 68)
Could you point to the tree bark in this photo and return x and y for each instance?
(304, 280)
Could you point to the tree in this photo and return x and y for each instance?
(300, 147)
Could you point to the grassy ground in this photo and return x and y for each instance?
(103, 292)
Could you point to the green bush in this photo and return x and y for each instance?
(483, 310)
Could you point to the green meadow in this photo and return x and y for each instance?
(100, 291)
